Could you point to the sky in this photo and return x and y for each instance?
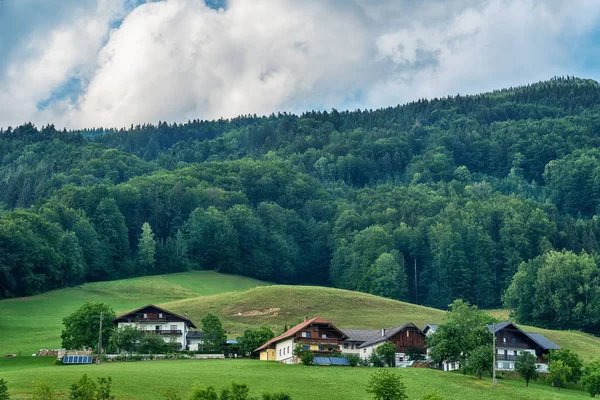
(114, 63)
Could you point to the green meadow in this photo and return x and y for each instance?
(31, 323)
(148, 380)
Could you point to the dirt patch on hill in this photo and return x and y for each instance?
(256, 313)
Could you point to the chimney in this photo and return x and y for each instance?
(305, 319)
(185, 314)
(383, 332)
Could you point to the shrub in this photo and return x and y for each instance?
(4, 390)
(42, 391)
(83, 389)
(171, 394)
(306, 358)
(353, 359)
(387, 352)
(103, 389)
(200, 393)
(432, 395)
(236, 391)
(276, 396)
(58, 361)
(571, 360)
(375, 360)
(591, 378)
(386, 385)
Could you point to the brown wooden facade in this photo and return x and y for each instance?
(408, 338)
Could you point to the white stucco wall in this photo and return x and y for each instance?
(284, 351)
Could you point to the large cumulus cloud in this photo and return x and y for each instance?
(178, 59)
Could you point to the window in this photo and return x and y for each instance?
(504, 340)
(514, 339)
(145, 315)
(345, 345)
(305, 348)
(279, 352)
(505, 365)
(288, 350)
(323, 335)
(159, 315)
(173, 327)
(157, 327)
(515, 352)
(306, 334)
(321, 348)
(364, 350)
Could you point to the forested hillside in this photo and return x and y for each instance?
(466, 190)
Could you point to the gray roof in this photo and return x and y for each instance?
(430, 326)
(537, 338)
(543, 341)
(389, 333)
(195, 334)
(359, 335)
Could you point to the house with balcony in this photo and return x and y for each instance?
(316, 335)
(364, 342)
(153, 320)
(512, 341)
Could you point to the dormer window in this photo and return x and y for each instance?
(159, 315)
(145, 316)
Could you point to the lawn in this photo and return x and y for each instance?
(32, 323)
(148, 380)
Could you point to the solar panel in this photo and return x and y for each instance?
(78, 359)
(339, 361)
(321, 361)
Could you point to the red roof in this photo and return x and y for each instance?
(292, 331)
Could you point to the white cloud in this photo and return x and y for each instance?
(178, 59)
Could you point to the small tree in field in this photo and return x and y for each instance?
(306, 358)
(480, 360)
(386, 385)
(3, 390)
(525, 366)
(591, 378)
(83, 389)
(42, 391)
(387, 351)
(214, 334)
(559, 373)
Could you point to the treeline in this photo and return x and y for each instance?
(460, 190)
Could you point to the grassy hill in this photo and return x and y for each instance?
(31, 323)
(282, 305)
(28, 324)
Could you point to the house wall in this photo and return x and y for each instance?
(407, 338)
(284, 351)
(350, 347)
(163, 326)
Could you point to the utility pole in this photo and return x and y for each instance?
(100, 340)
(494, 381)
(416, 289)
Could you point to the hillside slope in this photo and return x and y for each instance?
(280, 305)
(28, 324)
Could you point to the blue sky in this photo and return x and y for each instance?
(112, 63)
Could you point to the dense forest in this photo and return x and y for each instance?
(457, 197)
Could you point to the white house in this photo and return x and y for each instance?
(446, 365)
(153, 320)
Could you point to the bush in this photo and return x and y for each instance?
(387, 353)
(236, 391)
(375, 360)
(42, 391)
(4, 390)
(200, 393)
(591, 378)
(432, 395)
(58, 361)
(276, 396)
(353, 359)
(171, 394)
(86, 389)
(306, 358)
(386, 385)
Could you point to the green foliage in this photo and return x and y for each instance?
(103, 391)
(432, 395)
(306, 358)
(353, 359)
(557, 290)
(146, 249)
(84, 389)
(525, 366)
(387, 352)
(4, 390)
(480, 360)
(42, 391)
(559, 373)
(126, 339)
(200, 393)
(590, 380)
(570, 359)
(214, 334)
(235, 391)
(276, 396)
(171, 394)
(375, 360)
(81, 328)
(152, 344)
(386, 385)
(464, 330)
(467, 188)
(253, 339)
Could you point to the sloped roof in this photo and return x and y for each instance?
(537, 338)
(431, 327)
(389, 333)
(123, 317)
(292, 331)
(360, 335)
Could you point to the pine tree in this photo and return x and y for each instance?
(146, 248)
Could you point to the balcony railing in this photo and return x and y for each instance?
(503, 357)
(318, 340)
(164, 332)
